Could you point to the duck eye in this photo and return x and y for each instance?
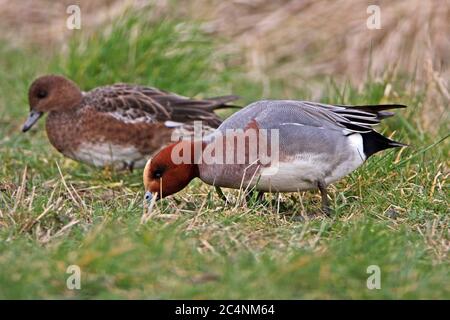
(41, 94)
(157, 174)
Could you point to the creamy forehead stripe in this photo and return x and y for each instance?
(146, 172)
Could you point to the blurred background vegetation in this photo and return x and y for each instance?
(392, 212)
(295, 45)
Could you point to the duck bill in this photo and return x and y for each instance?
(151, 196)
(33, 117)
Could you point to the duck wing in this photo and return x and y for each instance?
(359, 119)
(320, 128)
(133, 103)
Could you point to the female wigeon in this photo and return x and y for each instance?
(119, 125)
(311, 145)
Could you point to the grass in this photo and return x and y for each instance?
(392, 212)
(176, 56)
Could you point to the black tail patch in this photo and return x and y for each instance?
(374, 142)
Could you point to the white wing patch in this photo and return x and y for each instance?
(173, 124)
(130, 116)
(292, 124)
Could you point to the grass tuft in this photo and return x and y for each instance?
(392, 212)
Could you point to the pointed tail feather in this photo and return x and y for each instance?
(208, 104)
(376, 107)
(190, 110)
(379, 110)
(224, 99)
(221, 102)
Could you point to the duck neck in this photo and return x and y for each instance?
(186, 154)
(197, 148)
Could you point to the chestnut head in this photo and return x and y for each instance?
(165, 175)
(51, 93)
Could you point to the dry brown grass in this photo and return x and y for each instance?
(331, 37)
(304, 41)
(43, 22)
(280, 38)
(392, 212)
(300, 42)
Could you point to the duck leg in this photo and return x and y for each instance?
(220, 194)
(323, 191)
(128, 166)
(259, 197)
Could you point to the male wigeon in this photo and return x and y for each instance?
(315, 144)
(119, 125)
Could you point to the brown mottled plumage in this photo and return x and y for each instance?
(120, 125)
